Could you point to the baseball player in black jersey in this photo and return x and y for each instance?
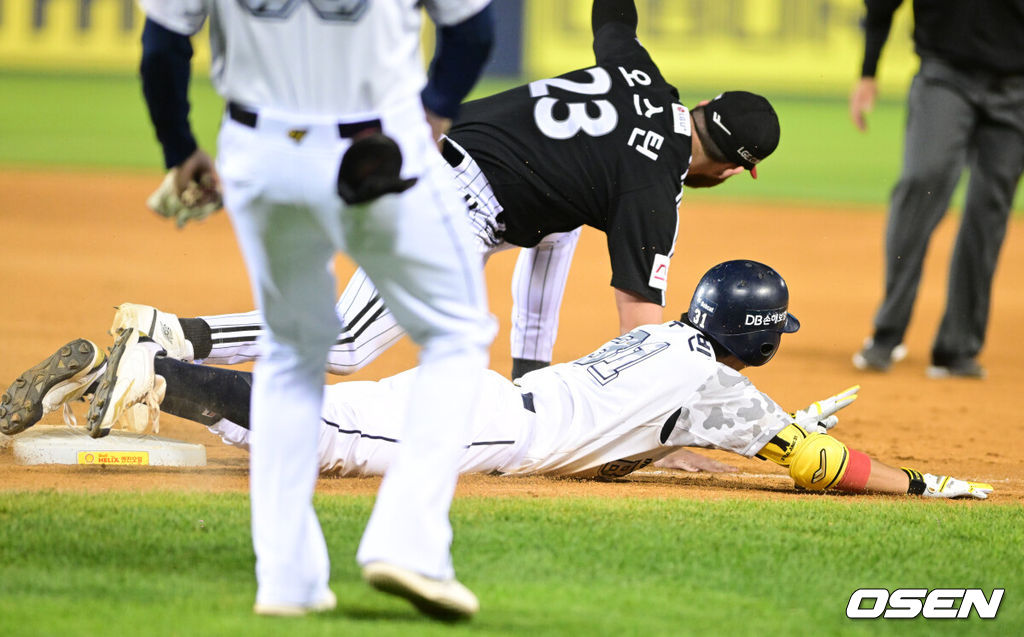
(609, 147)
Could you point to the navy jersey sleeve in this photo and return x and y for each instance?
(641, 239)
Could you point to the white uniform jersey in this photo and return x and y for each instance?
(367, 52)
(635, 400)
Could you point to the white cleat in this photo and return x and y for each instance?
(129, 379)
(326, 603)
(162, 327)
(447, 600)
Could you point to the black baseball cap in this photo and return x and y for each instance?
(744, 127)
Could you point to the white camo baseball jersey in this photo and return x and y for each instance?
(633, 401)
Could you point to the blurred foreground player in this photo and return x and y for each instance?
(326, 147)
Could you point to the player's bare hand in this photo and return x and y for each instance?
(862, 101)
(438, 125)
(687, 460)
(950, 487)
(196, 181)
(820, 416)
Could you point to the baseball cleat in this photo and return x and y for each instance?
(960, 368)
(876, 358)
(447, 600)
(326, 603)
(65, 376)
(129, 379)
(162, 327)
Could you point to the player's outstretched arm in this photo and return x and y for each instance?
(820, 462)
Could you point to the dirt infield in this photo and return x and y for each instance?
(76, 244)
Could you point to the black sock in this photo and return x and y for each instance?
(523, 366)
(197, 332)
(202, 393)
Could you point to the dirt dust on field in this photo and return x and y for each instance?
(75, 244)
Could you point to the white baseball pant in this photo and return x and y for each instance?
(290, 222)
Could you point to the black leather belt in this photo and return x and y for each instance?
(348, 130)
(528, 402)
(451, 154)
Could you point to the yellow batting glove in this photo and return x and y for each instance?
(820, 416)
(949, 487)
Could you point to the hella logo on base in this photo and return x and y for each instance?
(765, 319)
(940, 603)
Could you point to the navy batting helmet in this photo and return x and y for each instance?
(743, 306)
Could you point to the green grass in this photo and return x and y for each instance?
(100, 122)
(97, 121)
(181, 564)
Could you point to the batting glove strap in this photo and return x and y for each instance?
(917, 483)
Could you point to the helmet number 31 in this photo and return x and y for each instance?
(698, 318)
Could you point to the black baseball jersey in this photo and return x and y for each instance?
(606, 147)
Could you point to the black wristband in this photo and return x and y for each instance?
(917, 485)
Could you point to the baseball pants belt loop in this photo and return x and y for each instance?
(242, 115)
(528, 402)
(346, 130)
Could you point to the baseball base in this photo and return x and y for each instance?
(58, 444)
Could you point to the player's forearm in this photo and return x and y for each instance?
(819, 462)
(877, 23)
(605, 11)
(634, 310)
(165, 69)
(462, 51)
(886, 479)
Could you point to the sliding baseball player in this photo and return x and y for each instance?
(634, 400)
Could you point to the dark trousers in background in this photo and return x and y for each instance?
(956, 118)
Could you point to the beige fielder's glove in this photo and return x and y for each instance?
(197, 201)
(819, 416)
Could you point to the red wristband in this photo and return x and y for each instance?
(857, 472)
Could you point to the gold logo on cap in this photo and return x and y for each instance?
(296, 134)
